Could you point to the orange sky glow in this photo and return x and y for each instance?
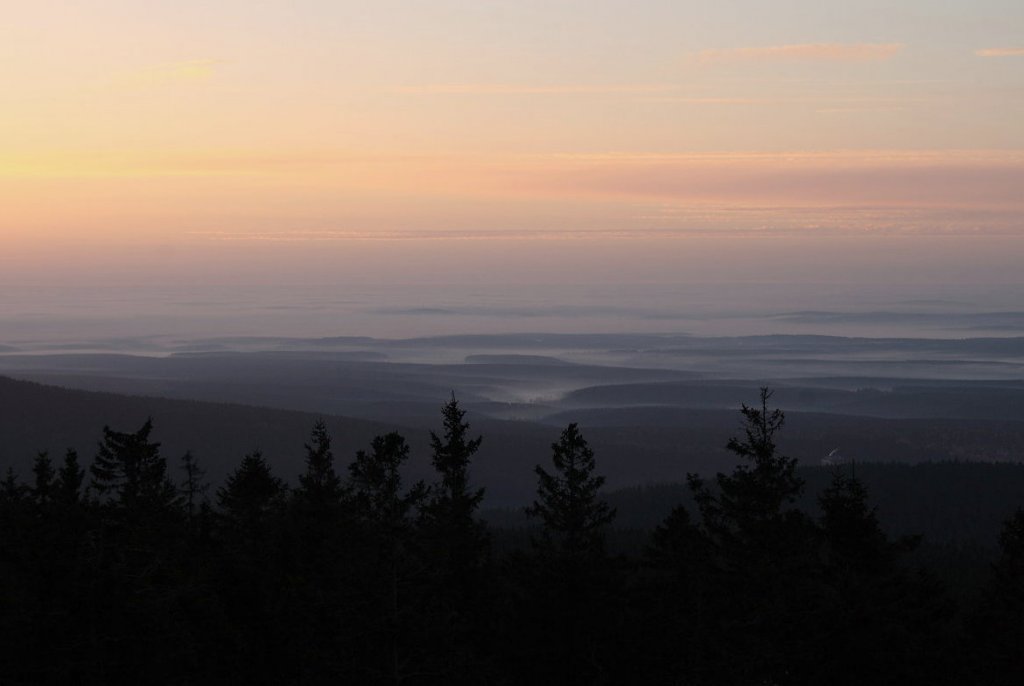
(407, 138)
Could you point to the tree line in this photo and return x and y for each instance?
(121, 573)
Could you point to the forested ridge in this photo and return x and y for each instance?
(124, 568)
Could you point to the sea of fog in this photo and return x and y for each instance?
(143, 319)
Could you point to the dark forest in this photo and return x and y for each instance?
(127, 569)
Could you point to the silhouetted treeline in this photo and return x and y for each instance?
(130, 570)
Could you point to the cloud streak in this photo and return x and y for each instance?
(803, 52)
(1000, 52)
(529, 89)
(824, 103)
(943, 180)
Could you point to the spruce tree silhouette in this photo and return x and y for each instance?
(451, 509)
(392, 642)
(573, 517)
(455, 546)
(669, 608)
(757, 491)
(130, 475)
(43, 487)
(29, 569)
(573, 583)
(138, 538)
(193, 487)
(11, 490)
(377, 485)
(320, 486)
(997, 626)
(861, 607)
(762, 553)
(852, 534)
(251, 573)
(69, 481)
(251, 499)
(319, 545)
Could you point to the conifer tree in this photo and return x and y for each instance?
(377, 483)
(251, 497)
(678, 545)
(131, 475)
(758, 490)
(193, 487)
(393, 641)
(138, 534)
(54, 567)
(320, 542)
(318, 513)
(73, 517)
(669, 612)
(453, 499)
(454, 533)
(19, 597)
(251, 505)
(761, 554)
(69, 480)
(852, 534)
(572, 579)
(858, 610)
(751, 508)
(14, 497)
(43, 487)
(997, 628)
(455, 545)
(11, 490)
(320, 485)
(572, 515)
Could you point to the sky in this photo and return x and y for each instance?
(521, 142)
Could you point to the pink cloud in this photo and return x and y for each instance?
(922, 179)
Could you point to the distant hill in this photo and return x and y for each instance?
(533, 360)
(908, 399)
(634, 445)
(36, 417)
